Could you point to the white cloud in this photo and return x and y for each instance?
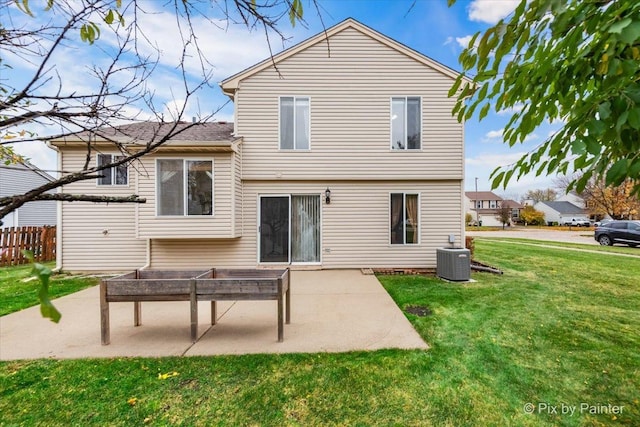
(492, 161)
(449, 40)
(464, 41)
(491, 11)
(492, 134)
(509, 111)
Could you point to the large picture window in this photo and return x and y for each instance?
(406, 123)
(184, 187)
(404, 218)
(118, 175)
(294, 123)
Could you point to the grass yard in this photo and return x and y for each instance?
(18, 290)
(598, 248)
(559, 328)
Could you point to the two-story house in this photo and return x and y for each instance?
(344, 154)
(484, 207)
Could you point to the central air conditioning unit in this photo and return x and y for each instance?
(453, 264)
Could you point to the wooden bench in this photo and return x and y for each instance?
(236, 285)
(195, 285)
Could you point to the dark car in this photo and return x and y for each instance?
(625, 232)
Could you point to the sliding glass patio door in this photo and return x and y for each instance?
(290, 229)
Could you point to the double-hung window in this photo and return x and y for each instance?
(406, 123)
(184, 187)
(118, 175)
(294, 123)
(404, 218)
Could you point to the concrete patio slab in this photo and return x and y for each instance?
(331, 311)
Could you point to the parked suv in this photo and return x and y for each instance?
(578, 222)
(625, 232)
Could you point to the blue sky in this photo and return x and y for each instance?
(428, 26)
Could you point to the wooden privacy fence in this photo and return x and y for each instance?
(39, 240)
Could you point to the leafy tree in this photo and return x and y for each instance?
(504, 215)
(39, 32)
(571, 61)
(531, 216)
(120, 93)
(615, 201)
(540, 195)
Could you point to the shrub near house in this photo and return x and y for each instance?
(531, 216)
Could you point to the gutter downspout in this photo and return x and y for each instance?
(148, 263)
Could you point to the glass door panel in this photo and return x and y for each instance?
(305, 228)
(274, 229)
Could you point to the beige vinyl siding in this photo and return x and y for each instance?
(355, 227)
(220, 225)
(98, 236)
(350, 96)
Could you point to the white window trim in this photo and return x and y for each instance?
(112, 170)
(258, 231)
(404, 235)
(291, 150)
(405, 123)
(185, 187)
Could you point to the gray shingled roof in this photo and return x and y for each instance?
(148, 131)
(564, 207)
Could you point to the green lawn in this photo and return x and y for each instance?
(18, 290)
(558, 328)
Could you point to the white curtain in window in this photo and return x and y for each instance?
(305, 228)
(302, 123)
(286, 123)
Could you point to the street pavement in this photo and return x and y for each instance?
(577, 235)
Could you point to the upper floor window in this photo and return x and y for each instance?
(493, 204)
(294, 123)
(118, 175)
(184, 187)
(478, 204)
(406, 123)
(404, 218)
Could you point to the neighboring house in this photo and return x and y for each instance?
(572, 198)
(515, 207)
(342, 160)
(559, 212)
(18, 178)
(484, 207)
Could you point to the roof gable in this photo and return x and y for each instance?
(230, 84)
